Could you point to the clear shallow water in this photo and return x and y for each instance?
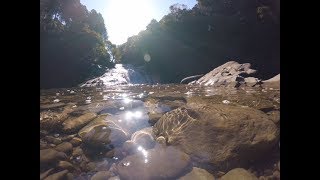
(123, 143)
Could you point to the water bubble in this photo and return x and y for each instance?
(122, 108)
(89, 98)
(71, 92)
(151, 92)
(74, 106)
(56, 100)
(127, 100)
(57, 94)
(88, 101)
(56, 135)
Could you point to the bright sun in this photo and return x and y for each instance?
(126, 18)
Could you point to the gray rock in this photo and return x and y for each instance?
(65, 147)
(58, 176)
(101, 175)
(199, 174)
(239, 174)
(48, 156)
(159, 163)
(223, 135)
(227, 74)
(71, 125)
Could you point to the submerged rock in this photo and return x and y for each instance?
(223, 135)
(159, 163)
(199, 174)
(49, 156)
(73, 124)
(65, 147)
(58, 176)
(239, 174)
(101, 175)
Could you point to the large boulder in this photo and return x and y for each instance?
(272, 82)
(230, 73)
(225, 136)
(158, 163)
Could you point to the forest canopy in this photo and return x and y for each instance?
(73, 43)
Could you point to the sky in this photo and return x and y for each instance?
(125, 18)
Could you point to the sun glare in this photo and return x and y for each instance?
(127, 17)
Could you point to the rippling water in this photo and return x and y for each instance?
(114, 132)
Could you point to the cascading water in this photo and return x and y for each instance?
(121, 74)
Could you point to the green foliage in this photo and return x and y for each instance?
(72, 43)
(187, 42)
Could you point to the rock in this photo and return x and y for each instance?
(52, 121)
(144, 138)
(65, 165)
(90, 166)
(75, 141)
(251, 81)
(70, 176)
(43, 145)
(53, 140)
(272, 83)
(274, 79)
(68, 137)
(239, 174)
(199, 174)
(153, 118)
(114, 178)
(58, 176)
(49, 156)
(65, 147)
(77, 152)
(274, 116)
(229, 73)
(190, 78)
(51, 106)
(46, 174)
(71, 125)
(130, 147)
(276, 174)
(101, 175)
(225, 136)
(101, 132)
(160, 163)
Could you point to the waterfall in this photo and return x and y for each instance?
(121, 74)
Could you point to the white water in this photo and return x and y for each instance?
(122, 74)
